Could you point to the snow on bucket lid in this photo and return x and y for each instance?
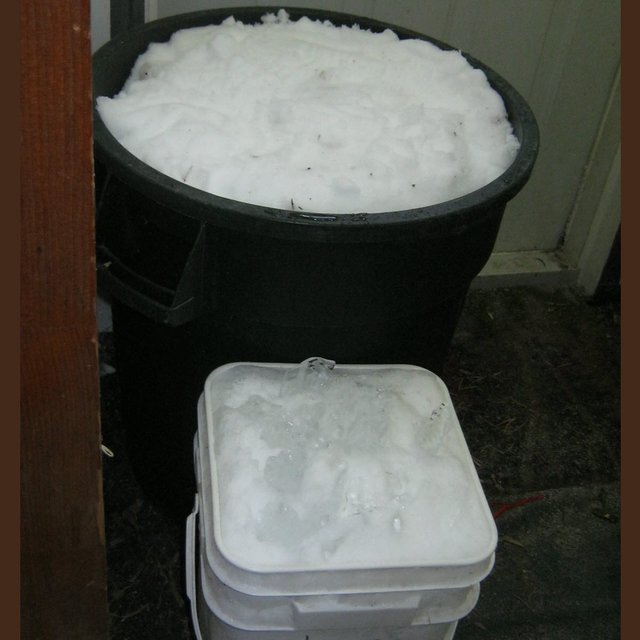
(324, 467)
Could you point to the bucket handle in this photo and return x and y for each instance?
(190, 566)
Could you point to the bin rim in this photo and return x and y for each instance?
(462, 211)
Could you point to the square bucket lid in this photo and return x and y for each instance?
(319, 478)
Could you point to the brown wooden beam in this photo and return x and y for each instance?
(63, 568)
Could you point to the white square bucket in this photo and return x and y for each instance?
(415, 598)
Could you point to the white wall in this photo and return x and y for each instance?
(100, 21)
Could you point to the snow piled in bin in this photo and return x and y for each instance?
(306, 116)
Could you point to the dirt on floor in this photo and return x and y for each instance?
(535, 377)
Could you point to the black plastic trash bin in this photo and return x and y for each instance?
(198, 280)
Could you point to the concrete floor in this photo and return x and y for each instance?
(535, 378)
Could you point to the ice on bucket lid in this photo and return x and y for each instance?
(315, 467)
(306, 116)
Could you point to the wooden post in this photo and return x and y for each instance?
(63, 567)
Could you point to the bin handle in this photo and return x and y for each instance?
(160, 303)
(190, 566)
(139, 292)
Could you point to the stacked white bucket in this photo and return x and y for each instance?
(235, 598)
